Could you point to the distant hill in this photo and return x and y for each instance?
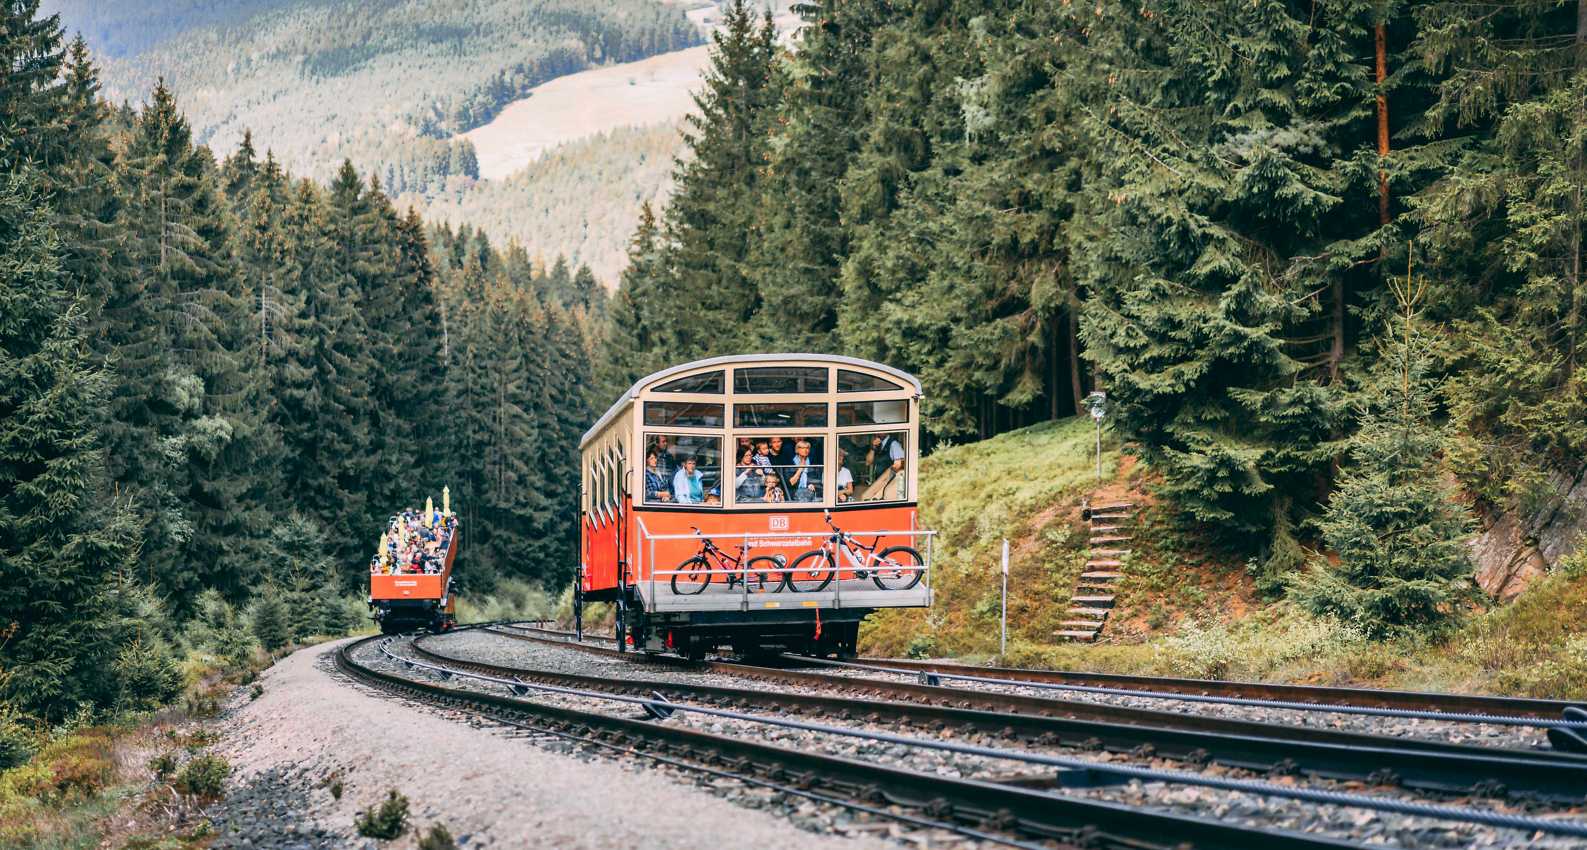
(319, 80)
(580, 198)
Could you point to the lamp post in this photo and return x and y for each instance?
(1097, 404)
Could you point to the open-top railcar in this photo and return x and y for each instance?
(759, 502)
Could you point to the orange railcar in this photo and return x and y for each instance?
(405, 601)
(705, 484)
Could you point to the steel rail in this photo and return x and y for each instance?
(1431, 701)
(1380, 761)
(1281, 705)
(662, 708)
(1041, 706)
(958, 804)
(1312, 695)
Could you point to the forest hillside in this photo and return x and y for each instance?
(1318, 265)
(393, 85)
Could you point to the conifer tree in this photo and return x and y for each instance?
(1396, 523)
(63, 540)
(642, 320)
(711, 222)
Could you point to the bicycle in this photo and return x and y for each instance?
(696, 572)
(893, 568)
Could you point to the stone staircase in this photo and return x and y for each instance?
(1112, 529)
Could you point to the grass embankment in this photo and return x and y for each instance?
(1181, 610)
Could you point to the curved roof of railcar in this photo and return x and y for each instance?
(734, 359)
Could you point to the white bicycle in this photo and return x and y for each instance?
(893, 568)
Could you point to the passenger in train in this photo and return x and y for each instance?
(688, 485)
(655, 482)
(845, 478)
(774, 489)
(750, 483)
(886, 461)
(665, 463)
(804, 477)
(782, 452)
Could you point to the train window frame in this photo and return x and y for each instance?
(749, 374)
(794, 434)
(647, 404)
(769, 408)
(647, 435)
(888, 386)
(911, 462)
(720, 376)
(855, 405)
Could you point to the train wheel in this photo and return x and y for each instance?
(771, 581)
(898, 568)
(692, 577)
(811, 572)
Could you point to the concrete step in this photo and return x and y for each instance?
(1104, 562)
(1103, 529)
(1112, 506)
(1109, 553)
(1097, 613)
(1082, 624)
(1110, 538)
(1102, 601)
(1104, 517)
(1077, 635)
(1104, 575)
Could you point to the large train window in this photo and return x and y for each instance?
(800, 414)
(683, 414)
(770, 470)
(873, 467)
(708, 383)
(889, 412)
(683, 469)
(780, 379)
(850, 381)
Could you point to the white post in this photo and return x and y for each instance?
(1003, 643)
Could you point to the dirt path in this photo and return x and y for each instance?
(492, 789)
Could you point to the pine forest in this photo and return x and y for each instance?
(1323, 258)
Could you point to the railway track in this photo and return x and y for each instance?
(1316, 695)
(1440, 769)
(661, 705)
(987, 811)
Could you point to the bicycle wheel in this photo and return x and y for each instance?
(897, 568)
(692, 577)
(810, 572)
(765, 582)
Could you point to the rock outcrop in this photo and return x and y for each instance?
(1515, 547)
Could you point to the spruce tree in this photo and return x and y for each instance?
(711, 221)
(63, 540)
(1395, 521)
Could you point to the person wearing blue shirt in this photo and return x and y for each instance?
(804, 477)
(688, 486)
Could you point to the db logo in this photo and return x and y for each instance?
(778, 523)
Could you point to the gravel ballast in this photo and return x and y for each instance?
(489, 787)
(1349, 824)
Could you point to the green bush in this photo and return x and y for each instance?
(268, 617)
(387, 821)
(18, 742)
(437, 837)
(203, 776)
(163, 765)
(146, 676)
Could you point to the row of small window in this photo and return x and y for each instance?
(778, 379)
(797, 414)
(687, 469)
